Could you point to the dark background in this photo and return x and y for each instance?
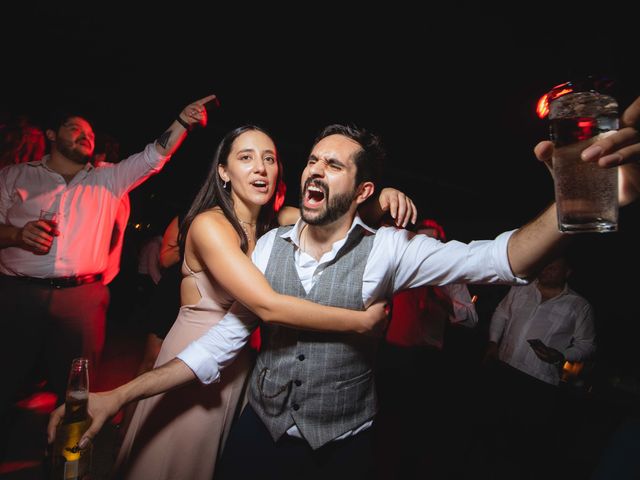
(451, 91)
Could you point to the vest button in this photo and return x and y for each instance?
(301, 357)
(298, 383)
(296, 406)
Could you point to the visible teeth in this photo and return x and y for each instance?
(315, 189)
(260, 184)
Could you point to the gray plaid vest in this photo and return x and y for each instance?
(322, 382)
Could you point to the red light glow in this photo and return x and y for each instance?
(542, 109)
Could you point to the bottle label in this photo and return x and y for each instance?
(70, 461)
(71, 470)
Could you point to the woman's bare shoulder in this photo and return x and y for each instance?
(211, 222)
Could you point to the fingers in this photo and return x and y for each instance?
(543, 151)
(37, 236)
(412, 212)
(629, 181)
(390, 203)
(631, 116)
(54, 420)
(402, 209)
(614, 149)
(196, 112)
(414, 217)
(396, 209)
(96, 424)
(378, 318)
(56, 417)
(620, 147)
(207, 99)
(623, 156)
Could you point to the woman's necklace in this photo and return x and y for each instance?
(243, 223)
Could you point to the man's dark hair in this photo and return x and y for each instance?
(60, 116)
(369, 159)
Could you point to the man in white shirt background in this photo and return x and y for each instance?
(52, 296)
(533, 331)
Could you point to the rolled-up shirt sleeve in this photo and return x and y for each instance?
(217, 348)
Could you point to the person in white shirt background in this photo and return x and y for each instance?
(51, 290)
(533, 330)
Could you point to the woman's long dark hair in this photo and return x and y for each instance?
(213, 194)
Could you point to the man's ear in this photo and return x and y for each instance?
(51, 135)
(365, 191)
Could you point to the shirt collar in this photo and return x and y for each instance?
(564, 291)
(294, 233)
(44, 160)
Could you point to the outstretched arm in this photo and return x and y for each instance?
(192, 115)
(103, 406)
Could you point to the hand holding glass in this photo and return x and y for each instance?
(586, 194)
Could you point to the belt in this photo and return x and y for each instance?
(58, 282)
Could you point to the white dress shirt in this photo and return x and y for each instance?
(87, 208)
(399, 259)
(564, 322)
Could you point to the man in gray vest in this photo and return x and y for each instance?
(312, 397)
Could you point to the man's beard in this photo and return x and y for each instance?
(336, 206)
(71, 153)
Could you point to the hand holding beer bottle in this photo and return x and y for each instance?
(69, 460)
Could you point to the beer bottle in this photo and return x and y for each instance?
(70, 462)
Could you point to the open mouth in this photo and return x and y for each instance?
(260, 185)
(314, 196)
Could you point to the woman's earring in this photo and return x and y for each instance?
(224, 185)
